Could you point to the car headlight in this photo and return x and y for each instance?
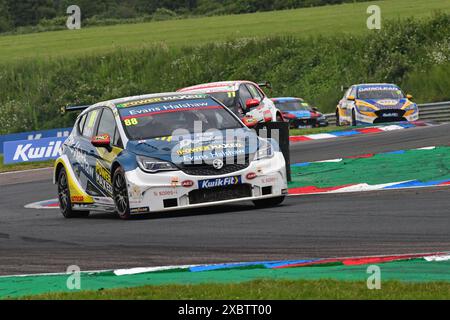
(152, 165)
(265, 150)
(366, 109)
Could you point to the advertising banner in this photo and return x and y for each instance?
(32, 150)
(34, 135)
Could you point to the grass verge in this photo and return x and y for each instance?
(24, 166)
(32, 92)
(347, 18)
(268, 289)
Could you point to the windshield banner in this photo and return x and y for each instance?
(157, 108)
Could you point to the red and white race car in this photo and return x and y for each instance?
(245, 98)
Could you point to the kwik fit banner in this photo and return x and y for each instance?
(34, 135)
(32, 150)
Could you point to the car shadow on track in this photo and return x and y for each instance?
(221, 209)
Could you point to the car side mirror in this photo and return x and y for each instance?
(249, 122)
(351, 98)
(252, 103)
(102, 141)
(409, 96)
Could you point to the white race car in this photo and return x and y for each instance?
(245, 98)
(164, 152)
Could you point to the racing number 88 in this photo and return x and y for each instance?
(131, 122)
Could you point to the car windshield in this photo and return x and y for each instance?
(293, 106)
(227, 98)
(380, 93)
(147, 121)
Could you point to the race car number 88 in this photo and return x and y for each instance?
(131, 122)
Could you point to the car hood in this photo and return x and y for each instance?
(300, 114)
(386, 103)
(182, 149)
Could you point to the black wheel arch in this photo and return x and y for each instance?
(114, 167)
(58, 169)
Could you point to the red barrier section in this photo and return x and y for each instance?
(299, 138)
(369, 130)
(367, 155)
(312, 189)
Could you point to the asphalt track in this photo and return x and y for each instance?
(331, 225)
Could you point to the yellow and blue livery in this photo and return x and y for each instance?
(375, 103)
(163, 152)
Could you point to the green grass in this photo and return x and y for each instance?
(24, 166)
(434, 80)
(32, 92)
(269, 289)
(327, 20)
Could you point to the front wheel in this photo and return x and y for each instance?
(120, 194)
(65, 203)
(270, 202)
(338, 120)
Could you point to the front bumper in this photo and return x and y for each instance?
(308, 123)
(165, 191)
(383, 116)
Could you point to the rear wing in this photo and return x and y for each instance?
(73, 108)
(344, 88)
(265, 84)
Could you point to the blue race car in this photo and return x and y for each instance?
(165, 152)
(375, 103)
(299, 113)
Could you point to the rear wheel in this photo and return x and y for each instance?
(65, 203)
(279, 118)
(120, 194)
(270, 202)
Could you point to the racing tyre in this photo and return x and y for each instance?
(353, 118)
(338, 121)
(279, 118)
(270, 202)
(120, 194)
(65, 204)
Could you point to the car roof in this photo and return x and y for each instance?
(221, 86)
(115, 102)
(375, 84)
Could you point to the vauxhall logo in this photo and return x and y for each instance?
(218, 164)
(27, 151)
